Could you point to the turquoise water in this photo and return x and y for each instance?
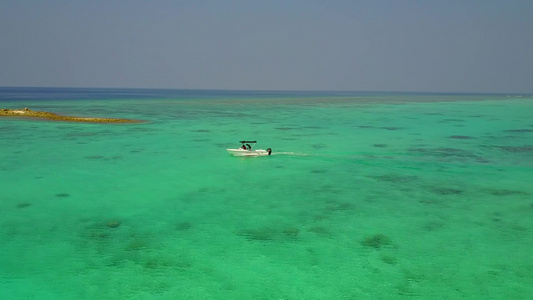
(366, 196)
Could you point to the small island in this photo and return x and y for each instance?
(55, 117)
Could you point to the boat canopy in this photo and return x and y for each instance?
(249, 142)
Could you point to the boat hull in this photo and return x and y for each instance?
(242, 152)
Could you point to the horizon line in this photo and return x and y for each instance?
(266, 90)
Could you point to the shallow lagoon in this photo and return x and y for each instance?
(366, 196)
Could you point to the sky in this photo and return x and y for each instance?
(339, 45)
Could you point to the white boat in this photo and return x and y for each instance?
(247, 150)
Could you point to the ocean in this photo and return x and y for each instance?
(366, 196)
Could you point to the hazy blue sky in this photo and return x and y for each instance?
(367, 45)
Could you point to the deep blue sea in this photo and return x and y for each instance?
(366, 196)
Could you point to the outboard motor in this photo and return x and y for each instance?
(269, 151)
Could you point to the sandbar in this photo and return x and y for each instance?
(55, 117)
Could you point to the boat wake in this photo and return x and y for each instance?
(289, 153)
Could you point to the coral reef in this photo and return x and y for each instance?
(393, 178)
(392, 128)
(258, 234)
(270, 234)
(182, 226)
(388, 259)
(447, 191)
(449, 154)
(376, 241)
(460, 137)
(519, 130)
(113, 223)
(23, 205)
(433, 225)
(517, 149)
(504, 192)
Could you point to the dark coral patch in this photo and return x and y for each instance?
(504, 192)
(460, 137)
(442, 151)
(113, 223)
(63, 195)
(429, 201)
(98, 235)
(320, 230)
(449, 154)
(447, 191)
(265, 234)
(380, 145)
(395, 178)
(392, 128)
(23, 205)
(94, 157)
(433, 225)
(339, 206)
(519, 149)
(291, 232)
(136, 244)
(376, 241)
(452, 120)
(182, 226)
(258, 234)
(284, 128)
(389, 259)
(319, 146)
(519, 130)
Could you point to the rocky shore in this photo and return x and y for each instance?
(51, 116)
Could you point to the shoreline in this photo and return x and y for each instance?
(55, 117)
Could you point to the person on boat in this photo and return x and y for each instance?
(243, 147)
